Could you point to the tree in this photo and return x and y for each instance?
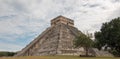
(98, 41)
(83, 41)
(109, 36)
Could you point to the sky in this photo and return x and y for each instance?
(23, 20)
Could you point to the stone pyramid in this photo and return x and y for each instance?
(55, 40)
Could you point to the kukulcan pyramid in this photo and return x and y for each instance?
(55, 40)
(58, 39)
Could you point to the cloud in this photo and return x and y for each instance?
(23, 20)
(115, 1)
(9, 47)
(114, 14)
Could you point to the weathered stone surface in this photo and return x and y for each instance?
(56, 40)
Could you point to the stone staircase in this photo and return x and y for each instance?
(101, 53)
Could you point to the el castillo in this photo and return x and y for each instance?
(58, 39)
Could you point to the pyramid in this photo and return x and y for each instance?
(55, 40)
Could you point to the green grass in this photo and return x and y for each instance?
(57, 57)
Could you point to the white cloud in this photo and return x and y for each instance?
(114, 14)
(19, 18)
(9, 47)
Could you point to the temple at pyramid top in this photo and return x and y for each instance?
(62, 19)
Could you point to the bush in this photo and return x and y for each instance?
(7, 54)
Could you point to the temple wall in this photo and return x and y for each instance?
(62, 20)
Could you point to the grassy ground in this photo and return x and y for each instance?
(57, 57)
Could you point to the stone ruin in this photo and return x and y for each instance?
(56, 40)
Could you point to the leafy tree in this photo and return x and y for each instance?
(109, 36)
(98, 41)
(83, 41)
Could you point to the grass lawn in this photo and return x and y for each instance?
(57, 57)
